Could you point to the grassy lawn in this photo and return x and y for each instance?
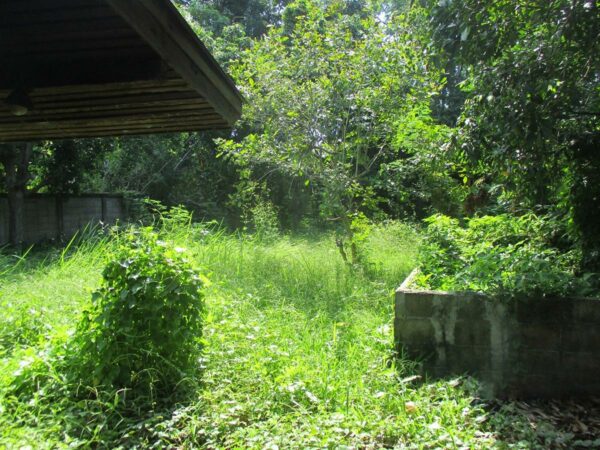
(298, 353)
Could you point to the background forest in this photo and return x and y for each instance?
(365, 110)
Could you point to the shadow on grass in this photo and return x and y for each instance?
(43, 389)
(546, 424)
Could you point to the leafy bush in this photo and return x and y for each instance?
(264, 221)
(500, 254)
(151, 212)
(144, 327)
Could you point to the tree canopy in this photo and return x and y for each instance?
(531, 120)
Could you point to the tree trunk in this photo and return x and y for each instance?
(15, 217)
(15, 158)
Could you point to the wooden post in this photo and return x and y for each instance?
(60, 218)
(104, 208)
(15, 158)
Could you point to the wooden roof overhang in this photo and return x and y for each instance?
(105, 68)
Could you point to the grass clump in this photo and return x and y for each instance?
(41, 293)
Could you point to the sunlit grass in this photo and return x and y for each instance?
(298, 353)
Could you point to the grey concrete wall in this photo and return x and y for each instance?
(50, 217)
(3, 220)
(522, 348)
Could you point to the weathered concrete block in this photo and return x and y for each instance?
(400, 305)
(581, 367)
(471, 308)
(49, 217)
(416, 305)
(585, 310)
(523, 348)
(472, 333)
(468, 360)
(540, 337)
(416, 333)
(581, 338)
(544, 310)
(536, 362)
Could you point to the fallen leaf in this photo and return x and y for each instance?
(410, 407)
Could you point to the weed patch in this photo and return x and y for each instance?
(297, 353)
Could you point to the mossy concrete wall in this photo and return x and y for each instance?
(54, 217)
(521, 348)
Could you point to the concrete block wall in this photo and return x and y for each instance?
(50, 217)
(521, 348)
(40, 219)
(114, 209)
(79, 212)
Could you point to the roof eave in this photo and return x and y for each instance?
(159, 23)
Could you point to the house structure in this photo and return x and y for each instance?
(91, 68)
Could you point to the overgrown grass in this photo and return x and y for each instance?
(298, 353)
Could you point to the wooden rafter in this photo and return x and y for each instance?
(107, 67)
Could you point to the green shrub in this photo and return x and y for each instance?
(144, 327)
(500, 254)
(264, 221)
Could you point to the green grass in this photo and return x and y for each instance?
(298, 353)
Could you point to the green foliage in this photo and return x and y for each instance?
(253, 16)
(334, 96)
(352, 246)
(337, 121)
(144, 327)
(387, 248)
(498, 255)
(169, 221)
(65, 167)
(264, 221)
(21, 329)
(419, 181)
(171, 168)
(531, 121)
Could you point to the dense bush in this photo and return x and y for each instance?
(145, 323)
(500, 254)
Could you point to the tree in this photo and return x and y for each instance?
(532, 115)
(65, 167)
(335, 96)
(215, 16)
(15, 159)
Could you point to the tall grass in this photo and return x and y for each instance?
(45, 289)
(298, 353)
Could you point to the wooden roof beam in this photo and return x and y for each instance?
(34, 74)
(163, 28)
